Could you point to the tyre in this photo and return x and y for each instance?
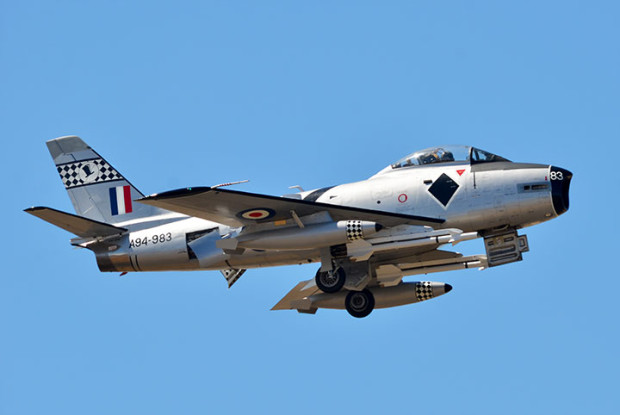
(360, 303)
(330, 281)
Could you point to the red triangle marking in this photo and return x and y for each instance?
(460, 172)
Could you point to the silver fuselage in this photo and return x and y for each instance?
(470, 197)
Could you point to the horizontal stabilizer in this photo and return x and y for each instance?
(75, 224)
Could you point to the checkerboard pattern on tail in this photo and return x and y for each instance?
(86, 172)
(354, 230)
(423, 290)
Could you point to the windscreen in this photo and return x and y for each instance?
(447, 154)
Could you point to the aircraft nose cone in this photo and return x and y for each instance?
(560, 185)
(447, 288)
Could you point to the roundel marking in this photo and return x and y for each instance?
(257, 214)
(402, 198)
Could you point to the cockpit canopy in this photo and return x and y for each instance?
(447, 154)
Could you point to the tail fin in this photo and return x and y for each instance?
(97, 190)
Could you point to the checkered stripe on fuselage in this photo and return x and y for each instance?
(423, 290)
(86, 172)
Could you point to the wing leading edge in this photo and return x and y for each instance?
(235, 208)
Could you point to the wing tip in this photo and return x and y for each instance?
(33, 209)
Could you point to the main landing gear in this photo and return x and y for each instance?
(330, 281)
(360, 303)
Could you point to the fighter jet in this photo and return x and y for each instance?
(365, 236)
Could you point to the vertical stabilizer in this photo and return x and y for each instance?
(97, 190)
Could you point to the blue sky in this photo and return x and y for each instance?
(311, 93)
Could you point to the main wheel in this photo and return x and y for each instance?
(360, 303)
(330, 281)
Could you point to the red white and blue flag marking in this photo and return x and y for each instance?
(120, 200)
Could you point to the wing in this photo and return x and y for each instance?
(236, 208)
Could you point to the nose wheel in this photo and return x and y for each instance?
(330, 281)
(360, 303)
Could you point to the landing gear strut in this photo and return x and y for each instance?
(360, 303)
(330, 281)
